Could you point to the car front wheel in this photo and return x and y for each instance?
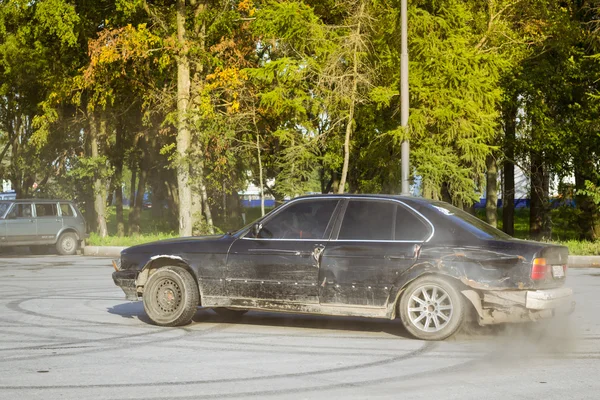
(67, 244)
(432, 308)
(171, 297)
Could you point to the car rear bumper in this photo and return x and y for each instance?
(495, 307)
(125, 279)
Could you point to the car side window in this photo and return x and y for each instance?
(300, 220)
(409, 226)
(46, 210)
(368, 220)
(66, 210)
(20, 211)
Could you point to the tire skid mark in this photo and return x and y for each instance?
(16, 306)
(322, 388)
(126, 345)
(425, 348)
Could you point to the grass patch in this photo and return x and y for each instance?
(127, 241)
(582, 248)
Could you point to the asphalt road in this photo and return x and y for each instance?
(66, 332)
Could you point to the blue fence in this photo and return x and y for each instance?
(256, 203)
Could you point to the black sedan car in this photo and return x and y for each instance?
(426, 262)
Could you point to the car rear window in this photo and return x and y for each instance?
(66, 210)
(368, 220)
(46, 210)
(409, 226)
(469, 222)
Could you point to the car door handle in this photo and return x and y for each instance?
(398, 257)
(317, 253)
(277, 252)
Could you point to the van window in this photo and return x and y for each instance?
(66, 210)
(46, 210)
(20, 211)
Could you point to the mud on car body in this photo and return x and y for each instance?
(425, 262)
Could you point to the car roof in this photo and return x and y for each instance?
(408, 199)
(36, 201)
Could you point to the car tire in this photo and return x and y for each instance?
(171, 297)
(229, 313)
(67, 244)
(432, 308)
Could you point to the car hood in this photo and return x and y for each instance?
(170, 246)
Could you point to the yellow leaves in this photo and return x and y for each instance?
(229, 81)
(247, 6)
(118, 46)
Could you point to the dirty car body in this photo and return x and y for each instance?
(424, 261)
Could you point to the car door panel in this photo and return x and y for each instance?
(282, 262)
(48, 222)
(371, 248)
(273, 270)
(362, 273)
(20, 225)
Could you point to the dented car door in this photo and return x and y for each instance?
(279, 260)
(374, 243)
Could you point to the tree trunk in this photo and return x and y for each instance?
(536, 206)
(183, 132)
(335, 182)
(135, 212)
(99, 188)
(132, 184)
(204, 194)
(491, 198)
(118, 180)
(546, 208)
(260, 177)
(508, 169)
(588, 223)
(352, 105)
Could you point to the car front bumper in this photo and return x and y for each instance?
(501, 306)
(125, 279)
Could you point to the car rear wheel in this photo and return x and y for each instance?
(229, 312)
(432, 308)
(67, 244)
(171, 297)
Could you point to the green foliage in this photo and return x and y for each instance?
(591, 190)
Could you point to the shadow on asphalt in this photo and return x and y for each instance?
(256, 318)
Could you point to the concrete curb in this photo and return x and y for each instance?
(584, 262)
(103, 251)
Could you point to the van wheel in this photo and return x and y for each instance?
(432, 308)
(171, 297)
(67, 244)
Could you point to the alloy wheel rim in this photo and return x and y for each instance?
(430, 308)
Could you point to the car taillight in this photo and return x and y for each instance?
(540, 269)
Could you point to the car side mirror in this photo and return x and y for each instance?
(256, 228)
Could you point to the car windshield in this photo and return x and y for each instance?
(469, 222)
(3, 208)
